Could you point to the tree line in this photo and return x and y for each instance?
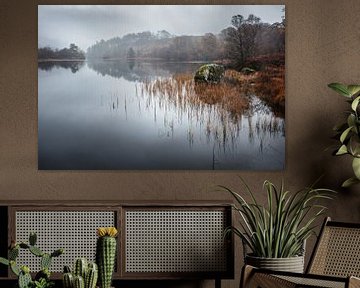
(73, 52)
(243, 41)
(246, 40)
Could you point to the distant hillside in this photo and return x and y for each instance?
(160, 45)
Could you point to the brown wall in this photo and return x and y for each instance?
(322, 46)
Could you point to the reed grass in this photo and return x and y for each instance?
(181, 88)
(217, 109)
(270, 87)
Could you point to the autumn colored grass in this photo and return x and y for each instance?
(181, 88)
(218, 109)
(231, 95)
(270, 86)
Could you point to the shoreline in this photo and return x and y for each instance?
(146, 60)
(62, 60)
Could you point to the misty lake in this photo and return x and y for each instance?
(109, 115)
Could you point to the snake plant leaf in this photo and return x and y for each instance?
(353, 89)
(342, 150)
(278, 228)
(340, 89)
(355, 103)
(349, 182)
(356, 167)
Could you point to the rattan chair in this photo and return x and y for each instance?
(334, 263)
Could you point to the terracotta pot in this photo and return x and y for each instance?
(291, 264)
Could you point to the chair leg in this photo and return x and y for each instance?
(251, 279)
(354, 282)
(246, 274)
(217, 283)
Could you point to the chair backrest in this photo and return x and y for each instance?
(337, 251)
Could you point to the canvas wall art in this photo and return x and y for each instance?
(161, 87)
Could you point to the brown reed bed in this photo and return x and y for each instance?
(181, 89)
(270, 86)
(231, 94)
(217, 108)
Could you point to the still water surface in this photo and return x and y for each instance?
(96, 115)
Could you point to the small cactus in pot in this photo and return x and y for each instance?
(106, 254)
(85, 275)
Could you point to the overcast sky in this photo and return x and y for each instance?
(60, 25)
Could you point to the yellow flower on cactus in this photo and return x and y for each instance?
(101, 231)
(106, 231)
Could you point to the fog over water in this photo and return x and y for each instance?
(60, 25)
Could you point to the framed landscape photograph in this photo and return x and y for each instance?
(161, 87)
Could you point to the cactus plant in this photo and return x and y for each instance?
(4, 261)
(84, 274)
(36, 251)
(45, 261)
(42, 278)
(91, 276)
(14, 268)
(105, 254)
(32, 238)
(13, 253)
(80, 268)
(24, 280)
(79, 282)
(68, 280)
(43, 274)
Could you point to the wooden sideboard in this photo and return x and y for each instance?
(157, 240)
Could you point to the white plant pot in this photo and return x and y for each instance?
(291, 264)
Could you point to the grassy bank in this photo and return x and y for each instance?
(231, 94)
(270, 86)
(181, 89)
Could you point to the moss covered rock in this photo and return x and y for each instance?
(247, 71)
(209, 73)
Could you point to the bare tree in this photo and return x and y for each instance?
(240, 39)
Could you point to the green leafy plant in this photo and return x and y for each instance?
(43, 283)
(348, 132)
(42, 278)
(279, 229)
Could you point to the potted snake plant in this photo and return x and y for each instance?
(274, 234)
(348, 132)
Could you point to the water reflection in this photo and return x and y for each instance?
(224, 113)
(74, 66)
(148, 116)
(139, 71)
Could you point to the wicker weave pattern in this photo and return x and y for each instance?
(300, 282)
(75, 231)
(269, 281)
(338, 253)
(175, 241)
